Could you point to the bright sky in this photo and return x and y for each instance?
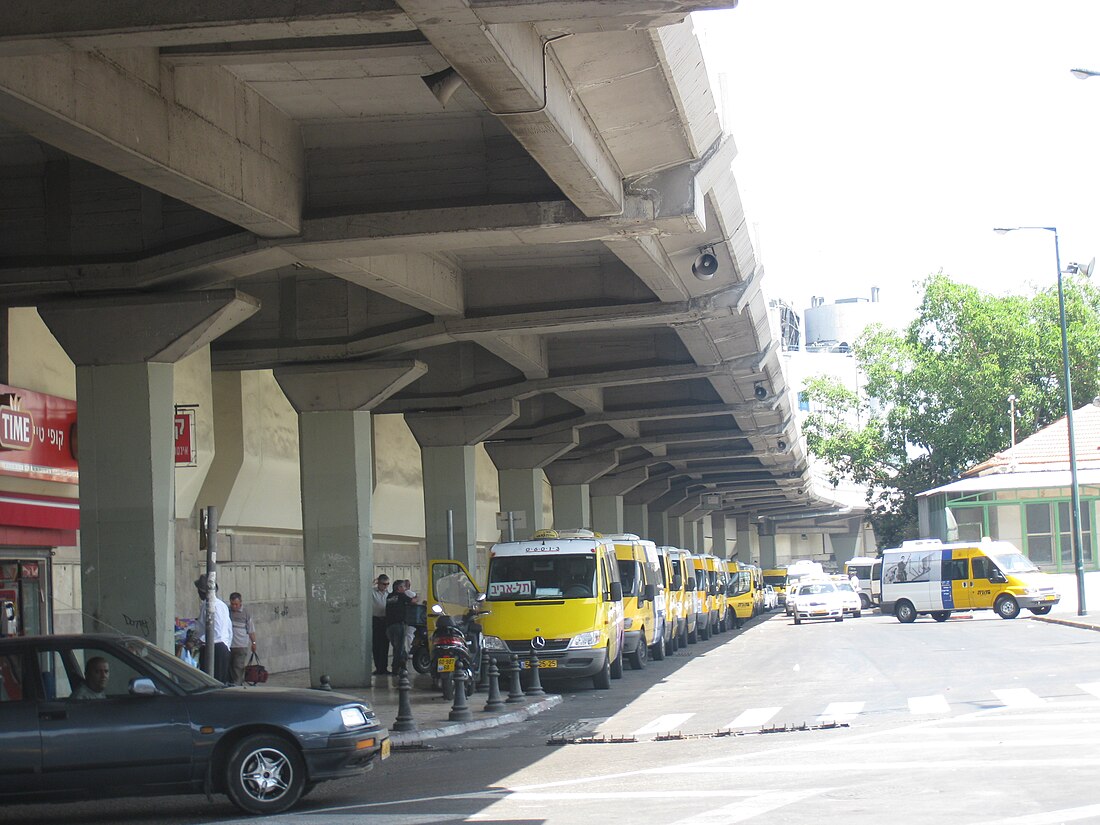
(881, 141)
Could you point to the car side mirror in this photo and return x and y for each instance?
(143, 686)
(677, 582)
(997, 577)
(650, 592)
(616, 591)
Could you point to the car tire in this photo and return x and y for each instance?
(447, 684)
(264, 774)
(865, 601)
(905, 612)
(941, 615)
(1041, 611)
(657, 652)
(617, 663)
(640, 655)
(685, 637)
(838, 619)
(1006, 607)
(797, 620)
(704, 632)
(857, 614)
(422, 660)
(601, 679)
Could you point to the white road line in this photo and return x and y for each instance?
(748, 809)
(754, 717)
(1019, 698)
(840, 711)
(1091, 687)
(663, 724)
(928, 704)
(1090, 812)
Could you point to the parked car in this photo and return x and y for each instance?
(107, 716)
(817, 600)
(853, 605)
(771, 598)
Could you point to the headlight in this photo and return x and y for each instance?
(353, 717)
(589, 639)
(492, 643)
(628, 623)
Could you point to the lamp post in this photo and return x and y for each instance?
(1075, 497)
(1083, 74)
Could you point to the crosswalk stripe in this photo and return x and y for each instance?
(1091, 687)
(1019, 698)
(663, 724)
(928, 704)
(753, 717)
(840, 711)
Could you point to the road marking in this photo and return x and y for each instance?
(747, 809)
(840, 712)
(754, 717)
(663, 724)
(1091, 687)
(1048, 817)
(1019, 698)
(928, 704)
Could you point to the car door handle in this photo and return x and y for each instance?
(52, 715)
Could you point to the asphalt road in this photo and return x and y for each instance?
(976, 720)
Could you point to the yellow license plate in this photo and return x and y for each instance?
(385, 748)
(1049, 598)
(446, 664)
(543, 663)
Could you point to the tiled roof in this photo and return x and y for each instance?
(1048, 449)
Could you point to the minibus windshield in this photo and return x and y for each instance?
(1014, 563)
(517, 578)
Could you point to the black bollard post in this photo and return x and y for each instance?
(515, 689)
(494, 702)
(326, 684)
(460, 710)
(404, 719)
(483, 675)
(535, 688)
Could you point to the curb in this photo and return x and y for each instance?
(1066, 622)
(413, 737)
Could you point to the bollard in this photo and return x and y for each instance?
(535, 688)
(483, 676)
(515, 689)
(460, 710)
(326, 683)
(404, 719)
(494, 702)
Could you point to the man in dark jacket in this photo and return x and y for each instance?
(397, 605)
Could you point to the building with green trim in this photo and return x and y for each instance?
(1023, 495)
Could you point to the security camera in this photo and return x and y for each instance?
(781, 445)
(760, 391)
(706, 265)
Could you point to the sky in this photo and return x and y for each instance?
(880, 141)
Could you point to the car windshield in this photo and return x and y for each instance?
(775, 580)
(516, 578)
(845, 586)
(1014, 563)
(816, 589)
(170, 669)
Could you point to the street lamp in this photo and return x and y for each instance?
(1078, 563)
(1083, 74)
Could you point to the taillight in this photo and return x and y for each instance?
(450, 640)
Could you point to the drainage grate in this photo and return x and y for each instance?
(590, 740)
(680, 736)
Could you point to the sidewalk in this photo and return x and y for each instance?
(430, 711)
(1065, 612)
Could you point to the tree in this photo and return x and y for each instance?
(936, 393)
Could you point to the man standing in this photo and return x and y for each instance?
(396, 609)
(223, 630)
(244, 638)
(380, 645)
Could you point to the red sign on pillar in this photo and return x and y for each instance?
(186, 455)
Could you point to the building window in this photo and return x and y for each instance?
(1048, 524)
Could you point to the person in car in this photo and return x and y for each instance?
(96, 674)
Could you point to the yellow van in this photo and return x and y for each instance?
(683, 574)
(928, 577)
(673, 599)
(742, 591)
(777, 578)
(639, 574)
(704, 617)
(561, 591)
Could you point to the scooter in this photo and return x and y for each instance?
(419, 652)
(456, 648)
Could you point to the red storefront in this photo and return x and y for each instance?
(39, 510)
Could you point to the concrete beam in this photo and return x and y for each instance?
(636, 414)
(199, 134)
(454, 428)
(134, 329)
(527, 353)
(567, 473)
(618, 484)
(421, 281)
(344, 387)
(515, 73)
(528, 455)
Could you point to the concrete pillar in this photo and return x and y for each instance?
(720, 547)
(572, 507)
(334, 445)
(636, 519)
(569, 480)
(846, 545)
(636, 514)
(701, 539)
(677, 534)
(659, 528)
(124, 349)
(766, 530)
(520, 479)
(608, 503)
(447, 442)
(743, 546)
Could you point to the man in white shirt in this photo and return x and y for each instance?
(223, 630)
(380, 645)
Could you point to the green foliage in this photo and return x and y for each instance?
(936, 398)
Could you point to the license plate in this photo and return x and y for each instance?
(1049, 598)
(446, 664)
(525, 664)
(385, 748)
(817, 612)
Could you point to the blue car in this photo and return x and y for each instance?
(86, 716)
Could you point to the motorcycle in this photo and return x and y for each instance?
(419, 651)
(456, 648)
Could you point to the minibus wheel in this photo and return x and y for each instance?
(617, 664)
(1041, 611)
(658, 649)
(640, 655)
(864, 601)
(941, 615)
(1007, 608)
(601, 680)
(906, 613)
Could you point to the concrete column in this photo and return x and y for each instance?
(334, 440)
(447, 442)
(743, 546)
(124, 348)
(677, 535)
(636, 520)
(846, 545)
(720, 547)
(766, 531)
(570, 481)
(572, 507)
(520, 480)
(608, 515)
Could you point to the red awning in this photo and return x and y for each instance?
(43, 512)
